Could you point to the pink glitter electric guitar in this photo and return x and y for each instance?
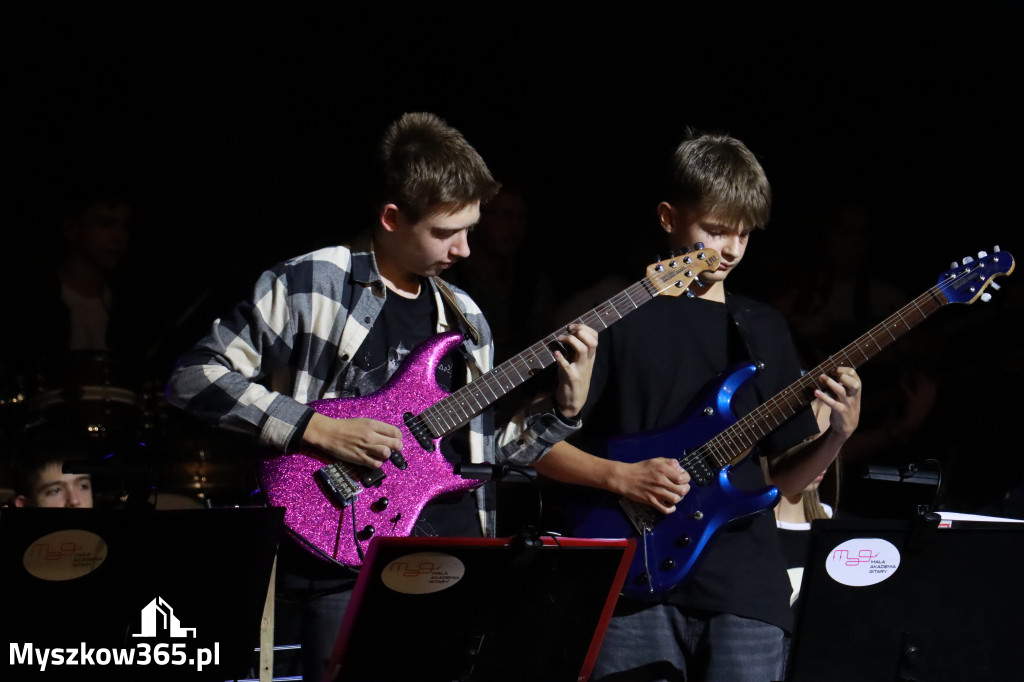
(335, 508)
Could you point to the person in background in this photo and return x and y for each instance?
(37, 475)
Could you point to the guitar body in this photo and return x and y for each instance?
(389, 507)
(671, 544)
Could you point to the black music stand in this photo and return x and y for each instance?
(952, 609)
(123, 578)
(463, 610)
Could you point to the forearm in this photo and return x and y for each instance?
(567, 463)
(793, 473)
(532, 432)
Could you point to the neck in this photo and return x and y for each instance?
(404, 288)
(713, 292)
(400, 280)
(791, 509)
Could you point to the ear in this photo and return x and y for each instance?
(391, 218)
(20, 500)
(667, 216)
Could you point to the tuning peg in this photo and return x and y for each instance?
(698, 246)
(994, 285)
(954, 264)
(995, 249)
(986, 297)
(982, 254)
(968, 259)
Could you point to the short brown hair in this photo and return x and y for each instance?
(427, 166)
(721, 176)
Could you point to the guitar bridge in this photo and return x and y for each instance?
(642, 516)
(337, 483)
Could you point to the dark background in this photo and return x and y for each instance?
(246, 128)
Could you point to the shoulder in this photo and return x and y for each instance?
(469, 308)
(757, 312)
(464, 300)
(767, 329)
(324, 268)
(330, 256)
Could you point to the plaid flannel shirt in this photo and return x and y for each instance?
(291, 343)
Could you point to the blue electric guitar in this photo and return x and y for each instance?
(709, 440)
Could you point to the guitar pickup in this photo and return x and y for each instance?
(337, 484)
(398, 460)
(371, 478)
(699, 471)
(418, 428)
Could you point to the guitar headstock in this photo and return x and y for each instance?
(966, 282)
(673, 276)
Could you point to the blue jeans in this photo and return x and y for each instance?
(663, 644)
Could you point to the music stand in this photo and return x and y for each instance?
(905, 600)
(461, 609)
(118, 579)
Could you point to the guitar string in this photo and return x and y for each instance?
(739, 437)
(722, 449)
(456, 409)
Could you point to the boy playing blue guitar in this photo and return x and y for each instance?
(726, 620)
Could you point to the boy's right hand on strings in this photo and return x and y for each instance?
(366, 442)
(659, 482)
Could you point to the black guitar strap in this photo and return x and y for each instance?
(741, 320)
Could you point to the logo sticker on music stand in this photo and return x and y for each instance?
(862, 561)
(422, 573)
(65, 555)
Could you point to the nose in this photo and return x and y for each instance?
(732, 246)
(460, 245)
(73, 499)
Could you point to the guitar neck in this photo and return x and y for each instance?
(731, 443)
(455, 411)
(668, 277)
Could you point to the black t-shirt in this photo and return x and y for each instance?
(402, 325)
(650, 367)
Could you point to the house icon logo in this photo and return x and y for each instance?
(158, 619)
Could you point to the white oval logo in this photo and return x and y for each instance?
(422, 573)
(862, 561)
(65, 555)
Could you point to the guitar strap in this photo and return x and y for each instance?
(448, 295)
(738, 313)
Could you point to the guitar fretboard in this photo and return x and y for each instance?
(454, 411)
(727, 446)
